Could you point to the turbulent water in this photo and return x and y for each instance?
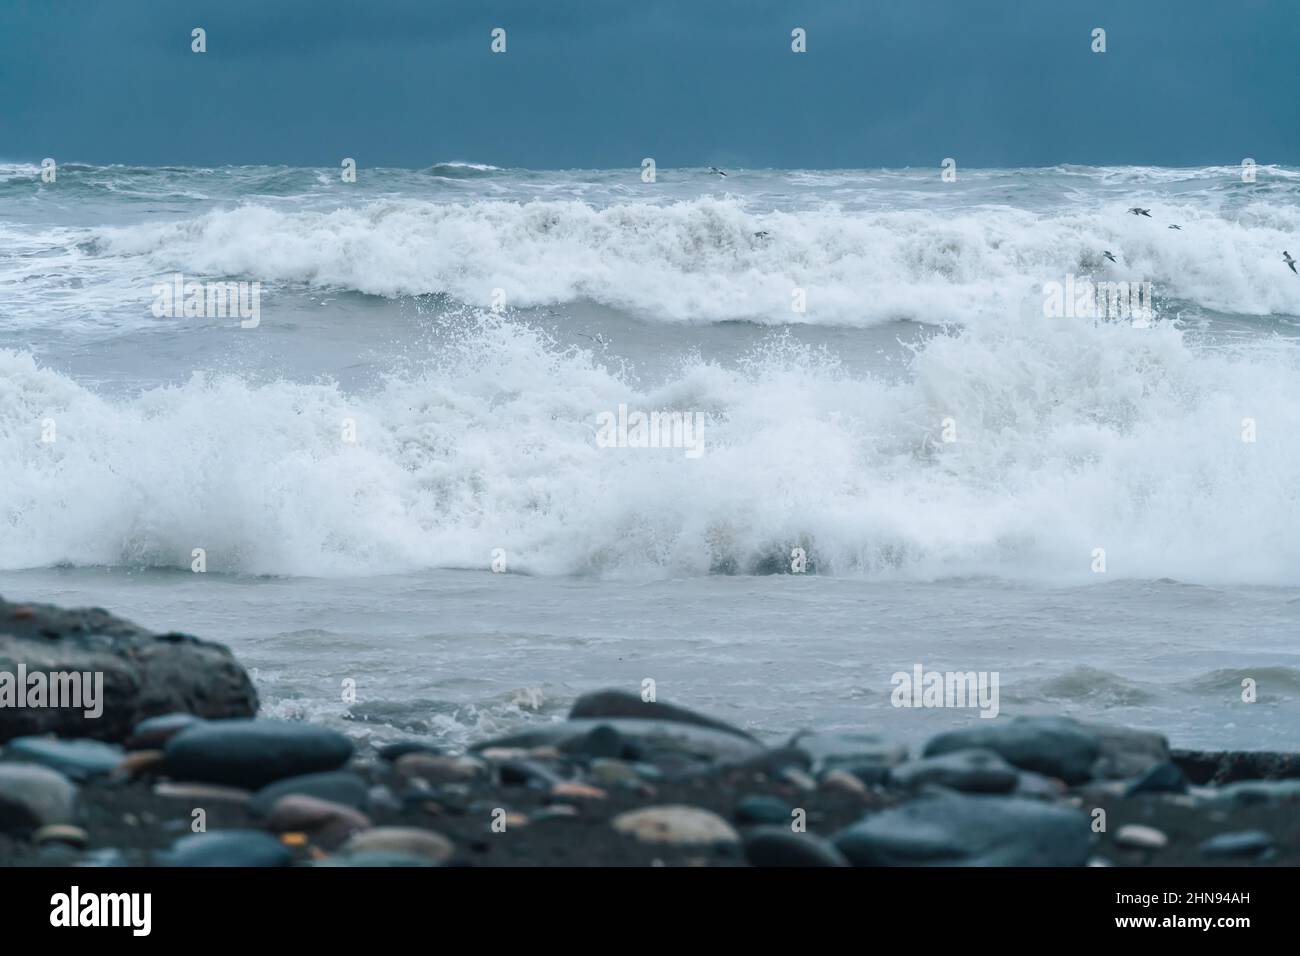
(954, 463)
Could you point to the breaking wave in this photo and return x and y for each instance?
(714, 259)
(1069, 437)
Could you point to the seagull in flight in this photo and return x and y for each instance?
(1179, 228)
(1286, 257)
(715, 169)
(1139, 211)
(1110, 257)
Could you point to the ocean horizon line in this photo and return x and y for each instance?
(492, 167)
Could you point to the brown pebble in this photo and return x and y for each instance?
(61, 833)
(580, 791)
(677, 825)
(327, 823)
(439, 768)
(503, 753)
(841, 781)
(799, 778)
(200, 792)
(139, 762)
(408, 840)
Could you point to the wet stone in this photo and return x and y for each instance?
(1163, 777)
(78, 760)
(33, 796)
(972, 771)
(338, 786)
(228, 848)
(760, 809)
(780, 846)
(1241, 844)
(402, 841)
(253, 753)
(954, 829)
(1055, 746)
(153, 733)
(676, 825)
(1139, 837)
(327, 824)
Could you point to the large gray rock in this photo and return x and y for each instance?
(952, 829)
(1055, 746)
(144, 674)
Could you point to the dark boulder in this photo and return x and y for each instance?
(144, 674)
(619, 703)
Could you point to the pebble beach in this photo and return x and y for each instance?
(178, 770)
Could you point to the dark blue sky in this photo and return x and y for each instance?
(602, 83)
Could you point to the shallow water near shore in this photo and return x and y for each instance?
(457, 655)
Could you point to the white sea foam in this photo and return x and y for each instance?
(1070, 437)
(701, 260)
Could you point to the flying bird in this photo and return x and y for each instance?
(1286, 257)
(715, 169)
(1110, 257)
(1179, 228)
(1139, 211)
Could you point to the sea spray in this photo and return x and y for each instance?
(492, 446)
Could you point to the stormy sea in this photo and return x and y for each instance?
(437, 451)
